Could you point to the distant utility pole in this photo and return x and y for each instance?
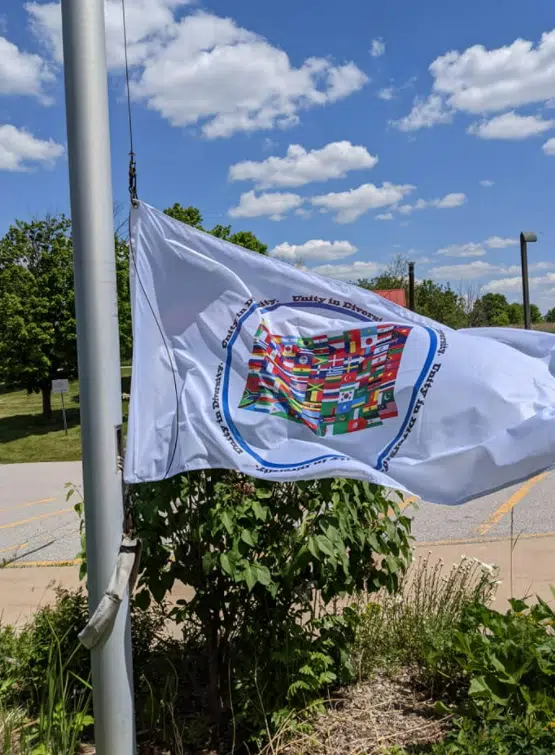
(96, 309)
(526, 238)
(411, 287)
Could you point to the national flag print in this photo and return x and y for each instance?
(333, 384)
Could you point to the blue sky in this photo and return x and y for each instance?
(340, 135)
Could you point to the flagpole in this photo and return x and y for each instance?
(90, 180)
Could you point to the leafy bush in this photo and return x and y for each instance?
(507, 661)
(510, 737)
(269, 563)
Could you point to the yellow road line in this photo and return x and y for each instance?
(407, 501)
(403, 505)
(34, 518)
(14, 548)
(478, 540)
(29, 564)
(26, 505)
(509, 504)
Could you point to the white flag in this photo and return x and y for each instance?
(243, 362)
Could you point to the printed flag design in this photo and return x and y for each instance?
(334, 384)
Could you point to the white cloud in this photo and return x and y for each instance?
(204, 69)
(487, 183)
(353, 272)
(468, 271)
(228, 79)
(498, 242)
(387, 94)
(479, 80)
(479, 269)
(342, 81)
(473, 249)
(378, 48)
(20, 150)
(504, 285)
(350, 205)
(274, 205)
(462, 250)
(300, 166)
(313, 250)
(385, 216)
(447, 202)
(23, 73)
(511, 126)
(514, 284)
(425, 114)
(549, 147)
(303, 213)
(150, 25)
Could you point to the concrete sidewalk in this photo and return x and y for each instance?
(23, 590)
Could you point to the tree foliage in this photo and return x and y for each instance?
(37, 305)
(535, 314)
(267, 563)
(441, 303)
(493, 310)
(550, 315)
(192, 216)
(434, 300)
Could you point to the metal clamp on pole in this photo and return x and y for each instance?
(125, 574)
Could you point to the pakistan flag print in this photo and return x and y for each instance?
(334, 384)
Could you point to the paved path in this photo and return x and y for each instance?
(39, 528)
(38, 525)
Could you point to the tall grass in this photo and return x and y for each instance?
(63, 714)
(396, 629)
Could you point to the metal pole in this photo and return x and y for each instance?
(64, 413)
(411, 287)
(98, 353)
(524, 239)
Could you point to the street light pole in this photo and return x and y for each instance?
(524, 239)
(411, 287)
(96, 310)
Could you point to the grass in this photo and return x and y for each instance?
(547, 327)
(25, 436)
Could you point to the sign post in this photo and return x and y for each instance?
(61, 386)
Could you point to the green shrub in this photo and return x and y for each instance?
(506, 661)
(269, 564)
(510, 737)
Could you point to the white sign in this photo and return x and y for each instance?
(60, 386)
(243, 362)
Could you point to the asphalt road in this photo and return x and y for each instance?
(38, 525)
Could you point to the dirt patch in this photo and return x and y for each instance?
(367, 719)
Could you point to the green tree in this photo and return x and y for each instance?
(267, 563)
(37, 306)
(535, 314)
(434, 300)
(192, 216)
(550, 315)
(516, 313)
(189, 215)
(124, 298)
(440, 303)
(491, 310)
(394, 276)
